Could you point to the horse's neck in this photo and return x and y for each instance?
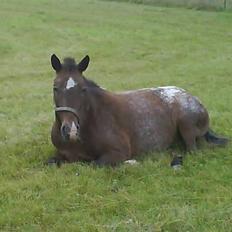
(100, 102)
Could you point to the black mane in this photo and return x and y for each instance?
(91, 83)
(69, 64)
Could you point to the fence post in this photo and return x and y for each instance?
(224, 4)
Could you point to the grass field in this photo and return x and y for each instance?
(131, 46)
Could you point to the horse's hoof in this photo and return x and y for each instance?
(53, 161)
(177, 167)
(131, 162)
(177, 162)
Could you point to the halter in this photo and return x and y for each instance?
(66, 109)
(73, 111)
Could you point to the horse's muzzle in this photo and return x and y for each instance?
(69, 133)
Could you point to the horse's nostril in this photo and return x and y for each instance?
(78, 125)
(64, 131)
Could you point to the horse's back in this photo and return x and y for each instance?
(171, 97)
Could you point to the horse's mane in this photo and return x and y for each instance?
(70, 64)
(91, 83)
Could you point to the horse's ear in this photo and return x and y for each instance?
(56, 63)
(82, 66)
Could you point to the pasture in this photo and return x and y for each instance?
(130, 46)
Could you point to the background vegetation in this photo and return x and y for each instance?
(195, 4)
(131, 46)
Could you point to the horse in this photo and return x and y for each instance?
(95, 125)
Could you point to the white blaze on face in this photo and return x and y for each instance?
(70, 83)
(73, 132)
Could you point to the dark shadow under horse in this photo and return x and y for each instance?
(95, 125)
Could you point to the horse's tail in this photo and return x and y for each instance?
(211, 137)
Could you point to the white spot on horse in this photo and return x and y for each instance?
(70, 83)
(170, 93)
(131, 162)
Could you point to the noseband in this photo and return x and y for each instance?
(66, 109)
(73, 111)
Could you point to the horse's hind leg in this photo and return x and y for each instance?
(192, 128)
(189, 133)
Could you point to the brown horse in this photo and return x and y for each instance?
(93, 124)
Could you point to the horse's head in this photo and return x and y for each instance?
(69, 95)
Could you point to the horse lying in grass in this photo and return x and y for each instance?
(95, 125)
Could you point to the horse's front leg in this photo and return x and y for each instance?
(57, 159)
(115, 156)
(118, 150)
(111, 159)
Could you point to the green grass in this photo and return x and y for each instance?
(131, 46)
